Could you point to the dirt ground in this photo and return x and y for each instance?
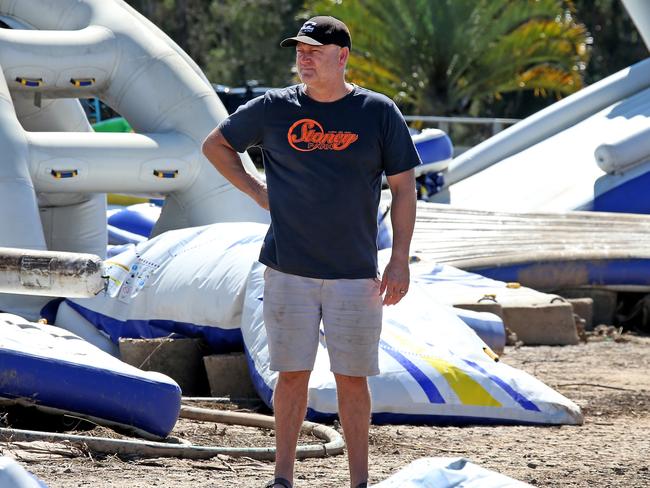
(609, 379)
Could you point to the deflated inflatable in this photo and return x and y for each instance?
(206, 282)
(448, 473)
(13, 475)
(434, 370)
(188, 282)
(176, 301)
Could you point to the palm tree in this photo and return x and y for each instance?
(455, 56)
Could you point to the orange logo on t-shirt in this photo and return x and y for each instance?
(308, 135)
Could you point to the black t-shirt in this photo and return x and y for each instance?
(323, 165)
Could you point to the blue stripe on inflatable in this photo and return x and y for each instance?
(266, 394)
(263, 390)
(132, 221)
(103, 393)
(246, 240)
(515, 395)
(628, 197)
(384, 418)
(596, 272)
(436, 149)
(423, 380)
(219, 340)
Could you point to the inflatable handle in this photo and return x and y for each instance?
(494, 356)
(82, 82)
(625, 153)
(161, 173)
(64, 173)
(30, 82)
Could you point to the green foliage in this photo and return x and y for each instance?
(233, 41)
(248, 33)
(616, 42)
(457, 56)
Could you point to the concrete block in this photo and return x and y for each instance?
(542, 324)
(180, 359)
(228, 375)
(584, 308)
(604, 303)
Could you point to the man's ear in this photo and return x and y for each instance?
(344, 54)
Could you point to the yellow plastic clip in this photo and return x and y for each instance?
(161, 173)
(82, 82)
(64, 173)
(493, 355)
(30, 82)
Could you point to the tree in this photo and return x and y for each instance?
(616, 41)
(247, 41)
(449, 57)
(233, 41)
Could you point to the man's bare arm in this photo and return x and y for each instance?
(223, 157)
(396, 278)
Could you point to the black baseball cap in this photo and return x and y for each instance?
(319, 31)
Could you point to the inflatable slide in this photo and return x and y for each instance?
(589, 151)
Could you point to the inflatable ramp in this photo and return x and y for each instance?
(590, 151)
(56, 371)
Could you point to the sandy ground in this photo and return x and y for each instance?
(609, 379)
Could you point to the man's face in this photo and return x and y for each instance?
(318, 64)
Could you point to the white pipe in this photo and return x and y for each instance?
(55, 14)
(104, 162)
(619, 155)
(15, 181)
(50, 273)
(334, 442)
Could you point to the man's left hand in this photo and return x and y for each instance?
(395, 282)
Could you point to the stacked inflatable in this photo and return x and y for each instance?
(206, 282)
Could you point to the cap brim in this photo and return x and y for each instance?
(292, 41)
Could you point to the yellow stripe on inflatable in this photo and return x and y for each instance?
(468, 390)
(120, 199)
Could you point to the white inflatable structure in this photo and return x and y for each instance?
(589, 151)
(13, 475)
(55, 170)
(448, 473)
(434, 370)
(187, 282)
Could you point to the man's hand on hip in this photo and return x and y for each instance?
(395, 281)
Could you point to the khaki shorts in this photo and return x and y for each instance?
(351, 313)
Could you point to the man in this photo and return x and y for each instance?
(326, 144)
